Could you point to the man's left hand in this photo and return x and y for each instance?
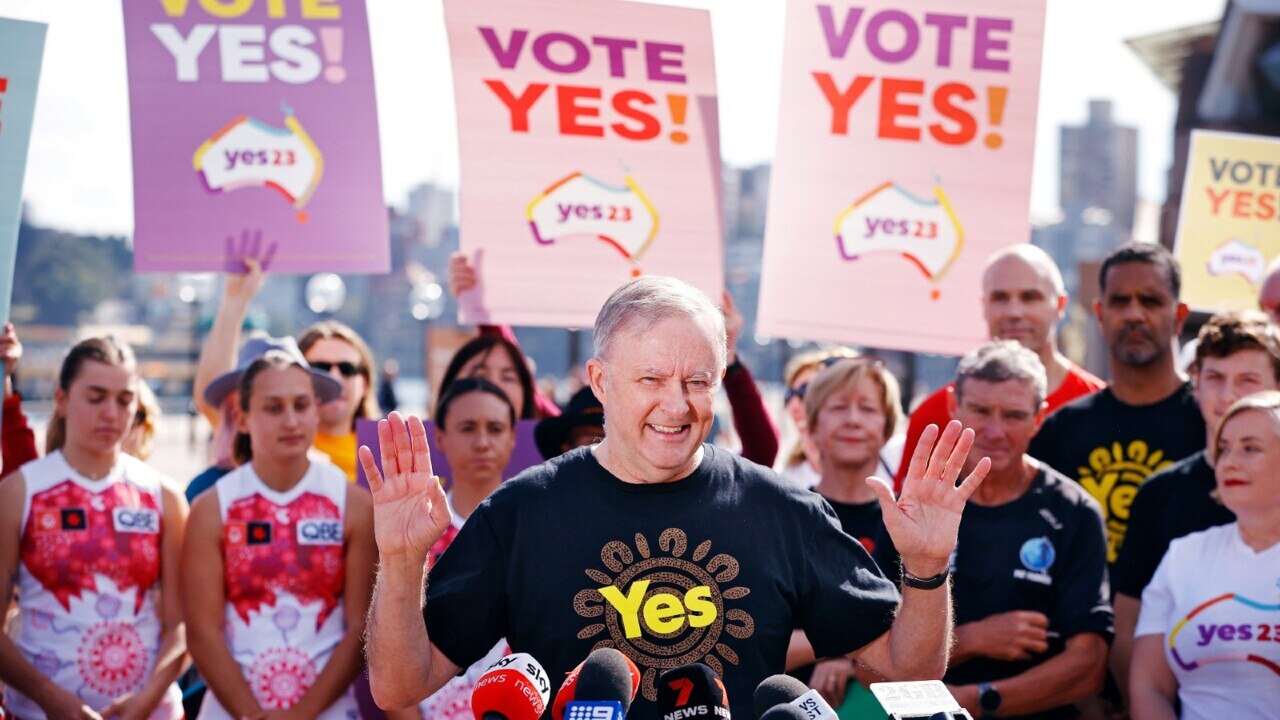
(924, 520)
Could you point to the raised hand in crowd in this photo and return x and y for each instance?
(924, 520)
(734, 321)
(247, 264)
(463, 276)
(10, 355)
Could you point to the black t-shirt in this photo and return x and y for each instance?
(862, 521)
(1111, 448)
(718, 567)
(1044, 551)
(1174, 503)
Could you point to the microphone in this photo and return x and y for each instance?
(921, 699)
(692, 691)
(784, 712)
(513, 688)
(601, 688)
(786, 690)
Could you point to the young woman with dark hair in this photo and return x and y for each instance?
(278, 560)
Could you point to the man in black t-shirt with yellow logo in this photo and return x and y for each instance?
(1032, 614)
(651, 542)
(1147, 418)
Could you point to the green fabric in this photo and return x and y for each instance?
(860, 704)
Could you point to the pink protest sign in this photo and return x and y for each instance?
(255, 114)
(905, 145)
(590, 153)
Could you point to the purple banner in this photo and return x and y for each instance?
(524, 456)
(254, 115)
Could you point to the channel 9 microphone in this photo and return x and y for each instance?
(601, 688)
(784, 690)
(692, 692)
(513, 688)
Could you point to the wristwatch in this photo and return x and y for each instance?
(988, 698)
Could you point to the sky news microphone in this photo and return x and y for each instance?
(786, 690)
(692, 692)
(601, 688)
(513, 688)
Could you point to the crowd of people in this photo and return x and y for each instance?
(1050, 545)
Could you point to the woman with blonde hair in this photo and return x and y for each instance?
(801, 464)
(1207, 644)
(334, 348)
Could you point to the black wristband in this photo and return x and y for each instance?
(929, 583)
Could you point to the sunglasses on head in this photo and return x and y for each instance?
(346, 369)
(799, 390)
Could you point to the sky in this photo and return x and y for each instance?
(79, 176)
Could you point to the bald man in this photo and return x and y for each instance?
(1023, 298)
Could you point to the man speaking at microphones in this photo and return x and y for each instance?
(670, 550)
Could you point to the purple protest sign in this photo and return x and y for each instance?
(523, 457)
(254, 115)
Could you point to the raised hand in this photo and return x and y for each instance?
(246, 262)
(924, 520)
(734, 321)
(409, 508)
(462, 276)
(10, 349)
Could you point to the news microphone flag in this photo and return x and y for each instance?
(785, 690)
(692, 692)
(594, 710)
(513, 688)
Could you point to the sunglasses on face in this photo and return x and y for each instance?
(798, 391)
(346, 369)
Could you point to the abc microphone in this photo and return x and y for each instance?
(786, 690)
(513, 688)
(692, 692)
(601, 688)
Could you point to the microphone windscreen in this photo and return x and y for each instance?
(566, 693)
(608, 675)
(776, 690)
(784, 712)
(692, 691)
(514, 687)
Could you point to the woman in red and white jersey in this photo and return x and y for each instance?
(476, 431)
(92, 537)
(278, 560)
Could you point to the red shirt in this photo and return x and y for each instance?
(933, 411)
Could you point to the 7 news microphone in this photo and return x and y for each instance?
(513, 688)
(601, 688)
(692, 692)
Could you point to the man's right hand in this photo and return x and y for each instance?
(409, 508)
(1011, 636)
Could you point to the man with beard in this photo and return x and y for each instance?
(1147, 419)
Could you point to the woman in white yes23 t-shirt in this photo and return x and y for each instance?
(1209, 633)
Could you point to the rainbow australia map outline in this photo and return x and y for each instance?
(1230, 656)
(892, 219)
(248, 152)
(580, 206)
